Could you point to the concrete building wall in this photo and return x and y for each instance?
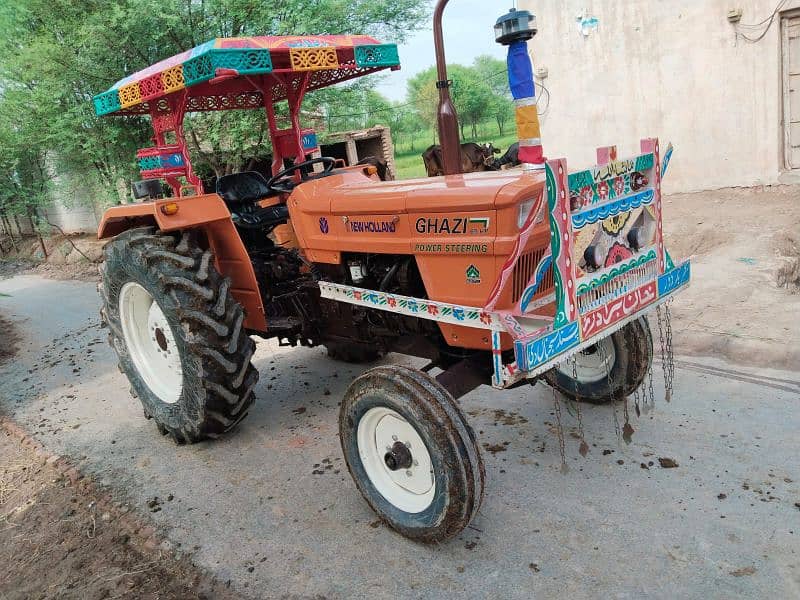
(73, 219)
(73, 207)
(676, 70)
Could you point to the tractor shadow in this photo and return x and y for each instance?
(301, 389)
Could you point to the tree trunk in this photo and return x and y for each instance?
(7, 227)
(38, 235)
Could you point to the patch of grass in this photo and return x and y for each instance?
(409, 163)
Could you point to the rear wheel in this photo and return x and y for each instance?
(411, 453)
(178, 333)
(611, 369)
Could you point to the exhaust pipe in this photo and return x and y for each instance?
(447, 116)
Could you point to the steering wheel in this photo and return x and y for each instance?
(283, 184)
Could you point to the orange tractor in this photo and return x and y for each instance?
(497, 278)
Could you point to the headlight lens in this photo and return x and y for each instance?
(525, 209)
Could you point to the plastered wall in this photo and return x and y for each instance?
(673, 69)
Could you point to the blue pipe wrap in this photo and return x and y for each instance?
(520, 71)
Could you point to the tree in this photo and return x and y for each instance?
(479, 92)
(495, 73)
(424, 96)
(472, 96)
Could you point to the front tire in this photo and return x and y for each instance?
(612, 369)
(178, 333)
(411, 453)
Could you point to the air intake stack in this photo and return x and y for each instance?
(514, 29)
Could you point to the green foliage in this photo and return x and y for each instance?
(479, 92)
(57, 54)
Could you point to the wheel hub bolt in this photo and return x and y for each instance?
(398, 458)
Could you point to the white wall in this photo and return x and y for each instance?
(73, 219)
(673, 69)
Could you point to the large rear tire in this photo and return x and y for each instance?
(178, 333)
(612, 369)
(411, 453)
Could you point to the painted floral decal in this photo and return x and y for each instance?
(617, 254)
(613, 225)
(587, 195)
(619, 186)
(603, 190)
(638, 181)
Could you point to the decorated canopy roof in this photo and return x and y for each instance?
(234, 72)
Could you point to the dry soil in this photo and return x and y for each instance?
(744, 299)
(58, 539)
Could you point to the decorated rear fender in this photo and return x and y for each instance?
(209, 215)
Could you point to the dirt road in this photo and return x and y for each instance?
(745, 296)
(272, 507)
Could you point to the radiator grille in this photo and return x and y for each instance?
(524, 271)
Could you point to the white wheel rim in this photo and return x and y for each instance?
(150, 342)
(409, 489)
(593, 364)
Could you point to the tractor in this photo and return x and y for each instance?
(497, 278)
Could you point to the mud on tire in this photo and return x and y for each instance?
(633, 358)
(414, 400)
(205, 320)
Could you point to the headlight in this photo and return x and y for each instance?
(525, 209)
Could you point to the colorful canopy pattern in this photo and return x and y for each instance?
(345, 55)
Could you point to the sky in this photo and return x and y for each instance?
(468, 32)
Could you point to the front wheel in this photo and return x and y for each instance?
(411, 453)
(611, 369)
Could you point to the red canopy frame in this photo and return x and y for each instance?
(238, 73)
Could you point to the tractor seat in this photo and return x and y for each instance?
(243, 188)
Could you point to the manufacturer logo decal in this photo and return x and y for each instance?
(478, 225)
(473, 274)
(452, 225)
(323, 225)
(372, 226)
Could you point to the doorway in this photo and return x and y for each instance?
(790, 51)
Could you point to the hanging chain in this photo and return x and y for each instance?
(664, 362)
(560, 432)
(650, 389)
(584, 447)
(627, 429)
(670, 355)
(604, 358)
